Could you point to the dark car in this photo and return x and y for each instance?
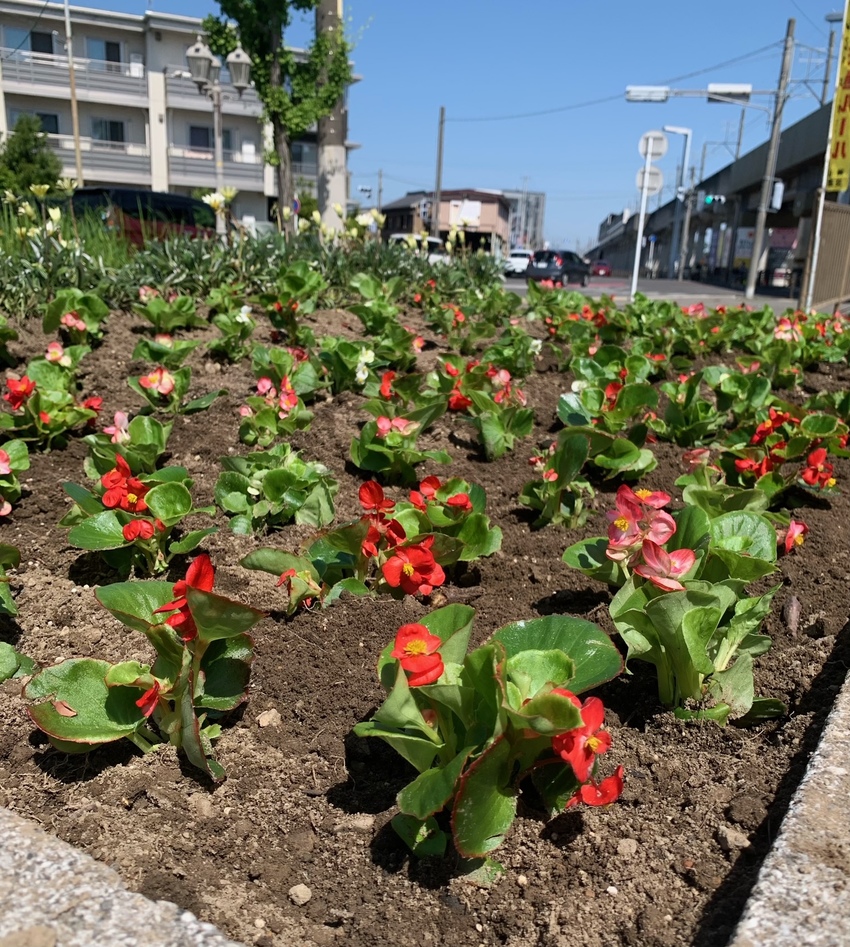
(559, 266)
(145, 215)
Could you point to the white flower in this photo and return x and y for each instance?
(303, 225)
(579, 385)
(228, 193)
(366, 357)
(244, 317)
(216, 201)
(287, 213)
(363, 220)
(55, 214)
(536, 346)
(338, 210)
(316, 217)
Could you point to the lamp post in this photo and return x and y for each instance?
(677, 243)
(205, 69)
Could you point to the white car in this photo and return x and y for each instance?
(517, 263)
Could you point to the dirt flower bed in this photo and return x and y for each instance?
(306, 803)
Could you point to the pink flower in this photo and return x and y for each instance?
(162, 338)
(119, 429)
(72, 321)
(146, 293)
(5, 467)
(550, 476)
(245, 412)
(288, 398)
(696, 457)
(662, 568)
(159, 380)
(795, 536)
(636, 518)
(5, 507)
(55, 352)
(787, 330)
(402, 425)
(265, 387)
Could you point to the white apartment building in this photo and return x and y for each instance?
(143, 122)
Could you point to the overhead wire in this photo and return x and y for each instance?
(26, 35)
(614, 98)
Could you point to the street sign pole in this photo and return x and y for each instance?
(644, 195)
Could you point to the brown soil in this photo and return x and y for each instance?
(305, 802)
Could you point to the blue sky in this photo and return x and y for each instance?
(494, 58)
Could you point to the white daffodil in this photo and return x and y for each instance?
(287, 213)
(9, 197)
(337, 208)
(363, 220)
(40, 190)
(55, 214)
(303, 225)
(216, 201)
(228, 193)
(316, 217)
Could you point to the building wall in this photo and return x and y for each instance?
(148, 90)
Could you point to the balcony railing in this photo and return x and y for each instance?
(92, 75)
(197, 166)
(117, 162)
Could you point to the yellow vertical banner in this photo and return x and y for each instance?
(838, 174)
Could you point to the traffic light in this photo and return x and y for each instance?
(711, 199)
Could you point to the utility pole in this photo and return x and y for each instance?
(740, 133)
(770, 165)
(827, 75)
(686, 230)
(438, 184)
(380, 189)
(523, 215)
(72, 83)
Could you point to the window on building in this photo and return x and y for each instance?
(305, 153)
(104, 54)
(202, 137)
(41, 42)
(19, 40)
(49, 120)
(107, 129)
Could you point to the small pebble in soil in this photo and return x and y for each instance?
(269, 718)
(522, 881)
(731, 839)
(611, 889)
(300, 894)
(259, 923)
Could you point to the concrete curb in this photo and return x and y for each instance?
(55, 896)
(802, 896)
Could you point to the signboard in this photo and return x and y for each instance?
(838, 173)
(465, 213)
(743, 247)
(653, 142)
(652, 179)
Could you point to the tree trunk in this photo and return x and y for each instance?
(283, 172)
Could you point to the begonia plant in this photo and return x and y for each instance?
(200, 672)
(481, 726)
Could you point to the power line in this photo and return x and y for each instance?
(806, 16)
(613, 98)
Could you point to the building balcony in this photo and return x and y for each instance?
(107, 162)
(195, 167)
(38, 74)
(182, 93)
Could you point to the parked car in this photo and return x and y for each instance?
(518, 261)
(600, 268)
(436, 249)
(560, 266)
(140, 215)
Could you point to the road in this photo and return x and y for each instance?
(687, 292)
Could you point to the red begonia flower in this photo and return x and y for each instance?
(148, 701)
(387, 384)
(199, 575)
(663, 568)
(818, 473)
(138, 529)
(123, 489)
(372, 497)
(581, 746)
(460, 501)
(18, 391)
(600, 794)
(796, 535)
(414, 569)
(417, 651)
